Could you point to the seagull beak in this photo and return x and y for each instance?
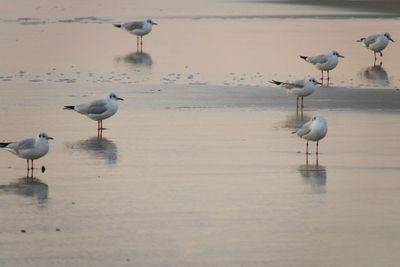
(153, 23)
(49, 138)
(341, 56)
(118, 98)
(318, 83)
(391, 40)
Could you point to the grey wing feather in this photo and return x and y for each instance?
(370, 39)
(318, 59)
(305, 129)
(130, 26)
(23, 144)
(295, 84)
(95, 107)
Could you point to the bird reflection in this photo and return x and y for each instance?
(139, 59)
(375, 75)
(31, 187)
(294, 121)
(315, 176)
(98, 148)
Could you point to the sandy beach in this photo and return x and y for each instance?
(199, 167)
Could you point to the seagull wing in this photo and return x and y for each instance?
(305, 129)
(130, 26)
(15, 147)
(370, 40)
(94, 107)
(296, 84)
(321, 59)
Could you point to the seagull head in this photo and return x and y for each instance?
(312, 80)
(319, 119)
(151, 22)
(387, 35)
(44, 136)
(113, 96)
(335, 53)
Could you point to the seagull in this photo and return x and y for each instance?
(300, 88)
(138, 28)
(98, 110)
(29, 149)
(324, 62)
(313, 130)
(376, 42)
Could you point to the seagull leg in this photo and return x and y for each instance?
(302, 106)
(297, 102)
(307, 154)
(317, 150)
(322, 75)
(307, 148)
(381, 54)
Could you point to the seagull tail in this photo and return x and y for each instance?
(275, 82)
(304, 57)
(69, 107)
(294, 132)
(4, 144)
(117, 25)
(360, 40)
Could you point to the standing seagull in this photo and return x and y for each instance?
(313, 130)
(29, 149)
(300, 88)
(98, 110)
(324, 62)
(138, 28)
(376, 42)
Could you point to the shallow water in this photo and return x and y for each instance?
(199, 167)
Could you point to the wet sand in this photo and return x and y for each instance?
(199, 167)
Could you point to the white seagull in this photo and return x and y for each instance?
(29, 149)
(313, 130)
(376, 42)
(300, 88)
(98, 110)
(324, 62)
(138, 28)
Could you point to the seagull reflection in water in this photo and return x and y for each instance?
(294, 122)
(32, 188)
(375, 75)
(97, 148)
(138, 59)
(315, 176)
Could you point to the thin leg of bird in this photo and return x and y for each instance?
(297, 102)
(307, 148)
(322, 75)
(381, 54)
(327, 75)
(306, 159)
(317, 149)
(302, 106)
